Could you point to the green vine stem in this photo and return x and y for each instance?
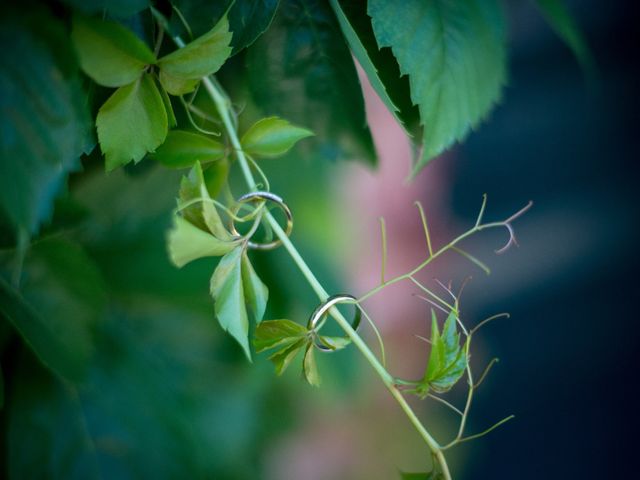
(224, 109)
(223, 106)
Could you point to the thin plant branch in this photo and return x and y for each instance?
(481, 213)
(431, 302)
(479, 263)
(487, 320)
(431, 293)
(481, 434)
(383, 236)
(423, 217)
(485, 372)
(444, 402)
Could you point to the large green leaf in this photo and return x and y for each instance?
(248, 19)
(360, 52)
(108, 52)
(228, 293)
(182, 69)
(121, 8)
(561, 20)
(379, 64)
(301, 69)
(132, 122)
(272, 137)
(183, 149)
(454, 55)
(160, 402)
(201, 15)
(45, 120)
(61, 298)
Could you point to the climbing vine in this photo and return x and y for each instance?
(146, 82)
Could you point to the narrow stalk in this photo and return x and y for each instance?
(223, 109)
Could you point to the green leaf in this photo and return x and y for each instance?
(181, 70)
(157, 388)
(248, 19)
(58, 305)
(256, 293)
(109, 53)
(380, 66)
(203, 213)
(45, 120)
(171, 116)
(454, 55)
(364, 58)
(275, 333)
(200, 15)
(335, 343)
(272, 137)
(120, 8)
(561, 20)
(183, 149)
(285, 355)
(187, 242)
(132, 122)
(309, 366)
(448, 359)
(301, 69)
(228, 294)
(215, 176)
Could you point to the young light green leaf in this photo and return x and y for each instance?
(275, 333)
(272, 136)
(448, 359)
(256, 293)
(310, 367)
(335, 343)
(211, 216)
(108, 52)
(183, 149)
(197, 207)
(186, 243)
(132, 122)
(454, 55)
(228, 294)
(181, 70)
(284, 356)
(561, 20)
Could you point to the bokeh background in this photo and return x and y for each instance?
(168, 395)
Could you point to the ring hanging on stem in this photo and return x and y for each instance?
(265, 196)
(316, 319)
